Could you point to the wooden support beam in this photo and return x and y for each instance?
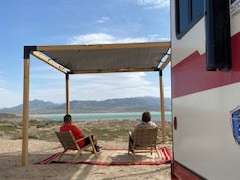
(162, 109)
(25, 115)
(165, 60)
(159, 45)
(50, 61)
(165, 63)
(67, 95)
(114, 70)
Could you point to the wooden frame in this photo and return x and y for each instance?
(25, 117)
(161, 88)
(104, 46)
(165, 63)
(68, 144)
(147, 141)
(162, 108)
(50, 61)
(37, 51)
(114, 70)
(67, 94)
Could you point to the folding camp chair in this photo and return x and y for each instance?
(143, 140)
(70, 143)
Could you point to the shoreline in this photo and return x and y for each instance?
(79, 117)
(140, 112)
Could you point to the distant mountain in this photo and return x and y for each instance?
(137, 104)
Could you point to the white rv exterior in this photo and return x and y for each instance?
(203, 141)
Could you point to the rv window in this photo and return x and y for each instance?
(197, 9)
(183, 15)
(188, 12)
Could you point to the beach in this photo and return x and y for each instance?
(43, 143)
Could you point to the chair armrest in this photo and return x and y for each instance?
(131, 135)
(130, 132)
(78, 140)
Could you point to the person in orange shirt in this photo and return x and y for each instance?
(77, 133)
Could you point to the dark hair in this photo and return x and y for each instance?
(146, 117)
(67, 118)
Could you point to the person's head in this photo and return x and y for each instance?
(67, 118)
(146, 117)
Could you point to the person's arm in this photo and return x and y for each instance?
(155, 125)
(61, 128)
(77, 132)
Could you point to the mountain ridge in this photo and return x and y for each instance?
(131, 104)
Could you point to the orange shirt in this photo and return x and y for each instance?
(77, 133)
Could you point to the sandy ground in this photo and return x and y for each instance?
(10, 168)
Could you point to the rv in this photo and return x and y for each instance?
(205, 50)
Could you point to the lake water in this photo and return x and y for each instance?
(102, 116)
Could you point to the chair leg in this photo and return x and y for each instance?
(61, 155)
(133, 153)
(130, 144)
(59, 158)
(129, 148)
(93, 146)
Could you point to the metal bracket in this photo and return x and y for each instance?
(160, 73)
(27, 51)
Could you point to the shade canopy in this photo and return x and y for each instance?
(77, 59)
(103, 58)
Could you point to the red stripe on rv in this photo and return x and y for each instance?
(190, 75)
(178, 172)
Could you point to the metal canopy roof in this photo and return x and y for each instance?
(103, 58)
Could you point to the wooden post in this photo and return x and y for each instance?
(67, 94)
(162, 109)
(25, 115)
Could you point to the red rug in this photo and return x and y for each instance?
(166, 157)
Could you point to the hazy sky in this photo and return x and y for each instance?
(28, 22)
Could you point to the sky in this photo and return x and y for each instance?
(49, 22)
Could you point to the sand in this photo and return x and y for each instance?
(10, 168)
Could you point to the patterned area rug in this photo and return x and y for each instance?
(114, 157)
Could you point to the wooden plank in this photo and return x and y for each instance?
(25, 115)
(165, 63)
(162, 109)
(50, 61)
(160, 45)
(113, 70)
(67, 94)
